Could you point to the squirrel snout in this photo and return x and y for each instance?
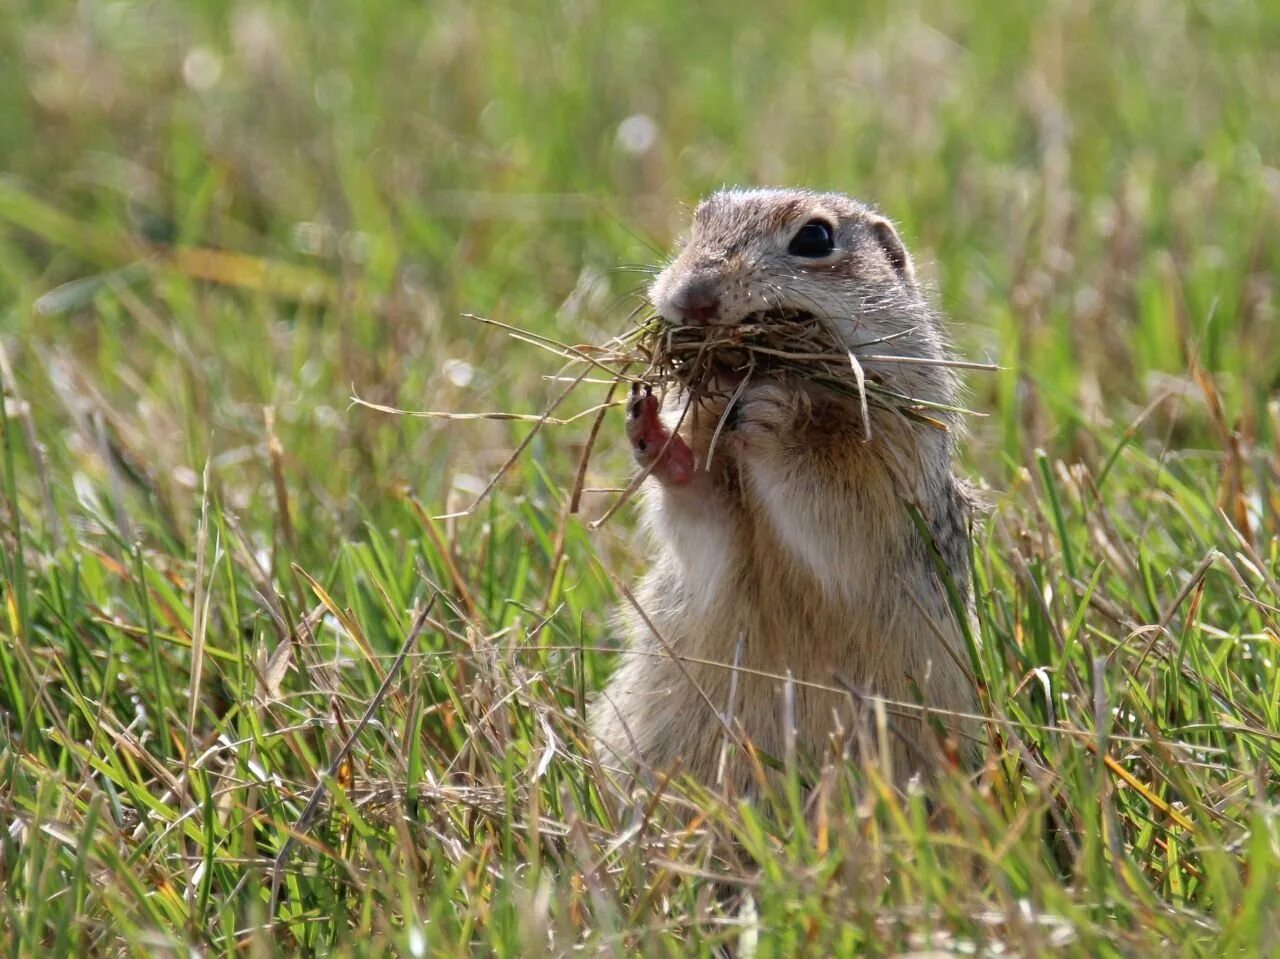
(696, 300)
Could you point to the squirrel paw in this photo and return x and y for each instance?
(656, 448)
(767, 411)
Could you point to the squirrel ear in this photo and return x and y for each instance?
(899, 259)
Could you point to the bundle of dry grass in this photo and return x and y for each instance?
(787, 345)
(713, 360)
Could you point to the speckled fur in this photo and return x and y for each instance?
(795, 552)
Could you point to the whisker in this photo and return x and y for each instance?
(790, 291)
(642, 268)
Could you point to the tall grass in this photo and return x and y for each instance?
(219, 222)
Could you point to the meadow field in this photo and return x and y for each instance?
(281, 673)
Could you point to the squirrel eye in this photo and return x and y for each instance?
(814, 239)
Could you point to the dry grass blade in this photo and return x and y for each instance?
(922, 361)
(200, 621)
(605, 357)
(724, 418)
(642, 475)
(317, 794)
(860, 378)
(672, 654)
(497, 415)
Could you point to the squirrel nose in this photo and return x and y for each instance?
(698, 300)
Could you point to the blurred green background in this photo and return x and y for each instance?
(1089, 187)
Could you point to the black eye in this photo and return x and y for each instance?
(813, 240)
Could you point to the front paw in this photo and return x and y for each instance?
(657, 449)
(768, 412)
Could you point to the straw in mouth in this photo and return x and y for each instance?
(715, 360)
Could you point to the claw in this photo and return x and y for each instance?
(637, 398)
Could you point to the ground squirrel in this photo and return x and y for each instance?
(779, 511)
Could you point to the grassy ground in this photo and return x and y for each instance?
(220, 221)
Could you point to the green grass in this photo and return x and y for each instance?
(189, 503)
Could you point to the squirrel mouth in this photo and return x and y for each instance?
(780, 344)
(712, 357)
(779, 314)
